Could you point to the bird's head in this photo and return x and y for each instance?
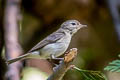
(72, 26)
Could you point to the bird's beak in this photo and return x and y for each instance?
(84, 25)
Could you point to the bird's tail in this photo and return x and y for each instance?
(17, 59)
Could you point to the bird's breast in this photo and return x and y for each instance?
(66, 38)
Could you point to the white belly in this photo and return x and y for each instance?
(57, 48)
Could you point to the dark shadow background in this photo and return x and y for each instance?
(97, 45)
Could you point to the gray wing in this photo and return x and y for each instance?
(50, 39)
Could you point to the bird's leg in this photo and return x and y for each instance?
(55, 68)
(55, 58)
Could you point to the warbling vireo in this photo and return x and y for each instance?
(55, 44)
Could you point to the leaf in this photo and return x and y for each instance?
(113, 66)
(91, 75)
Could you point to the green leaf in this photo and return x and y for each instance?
(113, 66)
(91, 75)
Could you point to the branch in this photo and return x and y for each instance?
(64, 66)
(12, 46)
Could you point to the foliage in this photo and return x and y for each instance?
(113, 66)
(91, 75)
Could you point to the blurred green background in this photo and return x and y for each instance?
(97, 45)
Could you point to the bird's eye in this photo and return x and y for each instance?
(73, 23)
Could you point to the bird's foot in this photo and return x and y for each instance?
(55, 68)
(55, 58)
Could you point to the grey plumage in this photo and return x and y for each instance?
(55, 44)
(50, 39)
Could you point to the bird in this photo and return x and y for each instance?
(53, 45)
